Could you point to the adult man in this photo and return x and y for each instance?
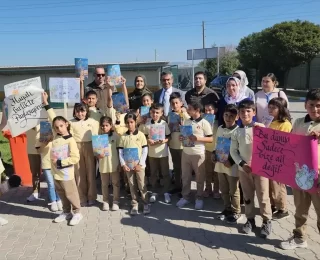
(200, 92)
(162, 96)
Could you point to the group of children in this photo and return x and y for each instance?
(75, 173)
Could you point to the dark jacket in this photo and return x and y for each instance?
(135, 96)
(157, 95)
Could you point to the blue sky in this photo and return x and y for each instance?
(36, 32)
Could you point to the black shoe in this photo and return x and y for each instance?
(266, 229)
(224, 214)
(234, 218)
(280, 214)
(249, 226)
(273, 209)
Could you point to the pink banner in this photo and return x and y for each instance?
(286, 158)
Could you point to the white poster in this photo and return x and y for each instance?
(24, 110)
(64, 90)
(16, 87)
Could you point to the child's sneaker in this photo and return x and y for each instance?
(153, 198)
(266, 229)
(182, 202)
(115, 206)
(3, 222)
(207, 193)
(33, 197)
(91, 202)
(273, 209)
(76, 219)
(280, 214)
(216, 196)
(134, 210)
(167, 198)
(224, 214)
(146, 209)
(105, 206)
(63, 217)
(59, 204)
(84, 204)
(54, 206)
(249, 226)
(293, 243)
(234, 218)
(199, 204)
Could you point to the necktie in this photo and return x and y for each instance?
(165, 102)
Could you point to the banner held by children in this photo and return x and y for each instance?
(286, 158)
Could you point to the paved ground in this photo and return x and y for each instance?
(168, 233)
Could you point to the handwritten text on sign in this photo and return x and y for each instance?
(286, 158)
(24, 110)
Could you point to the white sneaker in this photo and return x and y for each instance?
(293, 243)
(3, 222)
(146, 209)
(115, 207)
(199, 204)
(59, 204)
(167, 198)
(63, 217)
(33, 197)
(182, 202)
(105, 206)
(153, 198)
(76, 219)
(54, 206)
(134, 210)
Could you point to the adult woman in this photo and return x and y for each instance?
(269, 91)
(241, 75)
(140, 83)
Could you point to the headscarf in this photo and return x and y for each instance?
(243, 76)
(240, 92)
(144, 90)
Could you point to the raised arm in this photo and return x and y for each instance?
(125, 90)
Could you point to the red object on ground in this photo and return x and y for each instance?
(18, 146)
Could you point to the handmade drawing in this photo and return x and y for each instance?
(305, 177)
(186, 132)
(174, 122)
(64, 90)
(223, 149)
(119, 102)
(267, 120)
(100, 144)
(46, 134)
(81, 67)
(114, 72)
(131, 157)
(157, 132)
(60, 153)
(210, 118)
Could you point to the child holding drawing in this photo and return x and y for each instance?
(281, 121)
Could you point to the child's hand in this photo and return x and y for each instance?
(123, 80)
(181, 138)
(315, 134)
(183, 109)
(108, 82)
(45, 98)
(247, 168)
(227, 164)
(151, 142)
(54, 161)
(137, 168)
(126, 168)
(259, 124)
(81, 78)
(161, 141)
(193, 138)
(100, 156)
(118, 116)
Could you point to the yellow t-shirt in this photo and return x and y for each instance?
(174, 142)
(110, 163)
(281, 126)
(212, 146)
(119, 128)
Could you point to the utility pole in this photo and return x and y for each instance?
(203, 36)
(155, 54)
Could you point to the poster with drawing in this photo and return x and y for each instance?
(46, 134)
(131, 157)
(223, 149)
(100, 145)
(60, 152)
(64, 90)
(18, 86)
(114, 72)
(157, 132)
(81, 67)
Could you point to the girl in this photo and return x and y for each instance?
(134, 164)
(82, 127)
(140, 82)
(269, 91)
(64, 155)
(108, 166)
(277, 108)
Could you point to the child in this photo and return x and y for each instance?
(241, 152)
(108, 166)
(64, 155)
(82, 127)
(175, 144)
(44, 150)
(95, 113)
(211, 175)
(158, 152)
(281, 121)
(135, 139)
(193, 158)
(308, 125)
(228, 171)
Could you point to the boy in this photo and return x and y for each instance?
(228, 171)
(92, 99)
(193, 158)
(158, 152)
(211, 175)
(241, 153)
(175, 144)
(308, 125)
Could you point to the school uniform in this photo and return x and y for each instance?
(193, 158)
(135, 178)
(303, 199)
(119, 126)
(241, 153)
(211, 175)
(158, 157)
(228, 177)
(64, 173)
(109, 168)
(95, 114)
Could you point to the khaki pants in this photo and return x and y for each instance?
(211, 175)
(35, 168)
(302, 202)
(69, 195)
(115, 180)
(136, 181)
(85, 173)
(230, 192)
(194, 163)
(176, 155)
(278, 195)
(250, 183)
(161, 166)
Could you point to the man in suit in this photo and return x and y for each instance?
(162, 96)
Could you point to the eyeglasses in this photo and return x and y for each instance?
(100, 75)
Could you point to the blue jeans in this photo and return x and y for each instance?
(53, 195)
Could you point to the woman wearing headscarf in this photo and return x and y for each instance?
(241, 75)
(140, 83)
